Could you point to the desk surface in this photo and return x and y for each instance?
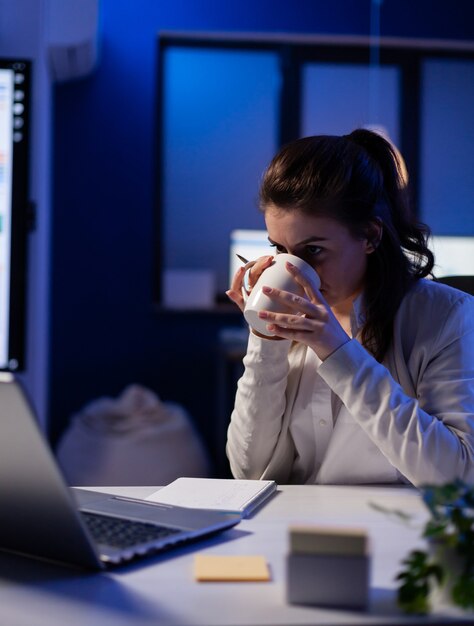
(161, 589)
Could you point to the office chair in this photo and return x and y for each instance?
(464, 283)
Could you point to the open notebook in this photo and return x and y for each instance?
(236, 496)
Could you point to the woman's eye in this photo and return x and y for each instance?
(279, 249)
(313, 250)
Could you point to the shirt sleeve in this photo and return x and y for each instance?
(259, 407)
(429, 438)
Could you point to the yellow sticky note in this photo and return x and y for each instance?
(230, 568)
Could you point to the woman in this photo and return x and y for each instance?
(375, 381)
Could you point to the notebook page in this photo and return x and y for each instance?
(214, 493)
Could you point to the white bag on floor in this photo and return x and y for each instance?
(134, 439)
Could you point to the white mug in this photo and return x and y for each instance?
(279, 277)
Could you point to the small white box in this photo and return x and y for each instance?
(328, 566)
(189, 289)
(328, 580)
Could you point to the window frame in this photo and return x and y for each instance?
(408, 55)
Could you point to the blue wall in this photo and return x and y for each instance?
(105, 333)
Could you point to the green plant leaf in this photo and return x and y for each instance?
(437, 572)
(450, 527)
(435, 528)
(413, 598)
(463, 592)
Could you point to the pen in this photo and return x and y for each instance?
(243, 259)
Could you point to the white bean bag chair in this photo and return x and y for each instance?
(135, 439)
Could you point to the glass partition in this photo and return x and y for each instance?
(219, 133)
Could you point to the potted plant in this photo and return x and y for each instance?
(445, 570)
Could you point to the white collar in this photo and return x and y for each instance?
(357, 315)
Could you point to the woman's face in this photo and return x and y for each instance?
(328, 246)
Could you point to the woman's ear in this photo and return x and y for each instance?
(373, 235)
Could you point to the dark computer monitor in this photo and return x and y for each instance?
(15, 85)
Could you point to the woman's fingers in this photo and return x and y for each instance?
(235, 291)
(307, 319)
(295, 303)
(299, 319)
(237, 279)
(245, 279)
(254, 270)
(311, 323)
(308, 285)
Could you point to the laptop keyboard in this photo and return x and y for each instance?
(122, 533)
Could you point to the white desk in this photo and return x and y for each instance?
(161, 590)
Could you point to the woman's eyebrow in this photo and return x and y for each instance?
(302, 243)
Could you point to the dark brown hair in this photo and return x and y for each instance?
(357, 179)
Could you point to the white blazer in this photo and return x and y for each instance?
(408, 419)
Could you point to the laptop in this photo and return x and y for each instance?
(41, 516)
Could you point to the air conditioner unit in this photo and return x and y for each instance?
(71, 37)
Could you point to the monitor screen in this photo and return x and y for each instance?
(14, 140)
(454, 256)
(250, 244)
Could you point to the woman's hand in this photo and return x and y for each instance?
(313, 323)
(253, 269)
